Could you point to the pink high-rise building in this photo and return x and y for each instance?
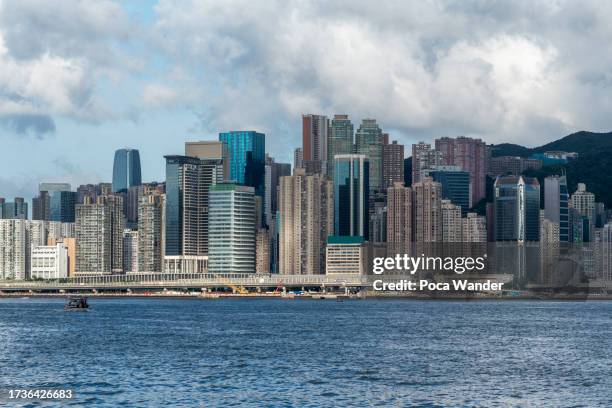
(471, 156)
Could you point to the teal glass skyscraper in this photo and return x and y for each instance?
(369, 141)
(351, 195)
(247, 158)
(126, 170)
(340, 140)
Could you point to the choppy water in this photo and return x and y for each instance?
(166, 352)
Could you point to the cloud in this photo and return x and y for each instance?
(53, 56)
(29, 124)
(524, 71)
(503, 71)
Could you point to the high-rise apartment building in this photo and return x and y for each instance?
(427, 210)
(151, 233)
(556, 204)
(423, 158)
(232, 229)
(13, 239)
(188, 180)
(36, 235)
(474, 228)
(369, 141)
(306, 220)
(351, 195)
(298, 158)
(399, 218)
(262, 249)
(584, 202)
(315, 135)
(130, 250)
(247, 158)
(393, 163)
(471, 156)
(340, 140)
(451, 222)
(126, 170)
(99, 235)
(516, 209)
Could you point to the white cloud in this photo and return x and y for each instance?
(524, 72)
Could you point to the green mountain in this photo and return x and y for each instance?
(593, 166)
(583, 143)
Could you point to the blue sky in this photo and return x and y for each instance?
(81, 79)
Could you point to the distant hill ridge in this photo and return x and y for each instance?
(593, 166)
(581, 142)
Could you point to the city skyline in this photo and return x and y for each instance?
(152, 75)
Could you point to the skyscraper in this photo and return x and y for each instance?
(399, 218)
(584, 202)
(340, 140)
(55, 202)
(314, 143)
(262, 247)
(393, 163)
(247, 157)
(455, 185)
(12, 249)
(18, 209)
(188, 180)
(150, 233)
(210, 150)
(130, 250)
(471, 156)
(516, 209)
(556, 208)
(274, 171)
(99, 235)
(423, 157)
(351, 193)
(126, 169)
(451, 222)
(306, 220)
(232, 229)
(369, 142)
(474, 228)
(427, 210)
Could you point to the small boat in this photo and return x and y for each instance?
(76, 304)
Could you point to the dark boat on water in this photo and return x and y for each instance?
(77, 304)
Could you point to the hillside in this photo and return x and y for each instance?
(584, 143)
(593, 166)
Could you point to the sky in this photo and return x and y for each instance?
(80, 79)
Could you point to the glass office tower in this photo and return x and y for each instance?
(232, 229)
(455, 187)
(556, 204)
(517, 209)
(188, 180)
(247, 158)
(351, 191)
(62, 205)
(126, 170)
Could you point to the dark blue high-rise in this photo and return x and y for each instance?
(126, 170)
(247, 157)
